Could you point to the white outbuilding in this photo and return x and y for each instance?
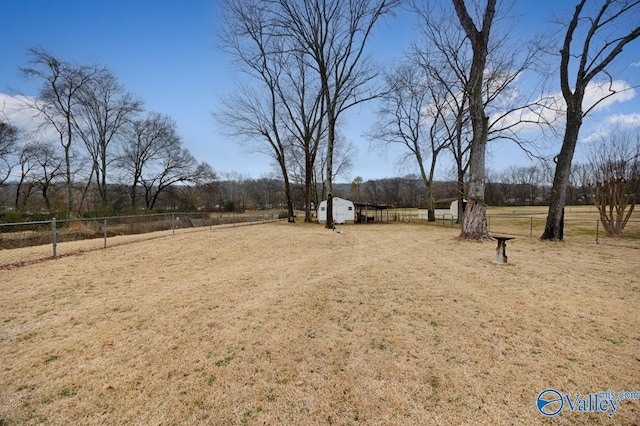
(443, 209)
(343, 211)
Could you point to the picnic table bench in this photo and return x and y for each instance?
(501, 251)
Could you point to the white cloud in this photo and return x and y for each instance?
(14, 109)
(635, 64)
(18, 111)
(551, 108)
(598, 91)
(595, 134)
(616, 121)
(602, 95)
(548, 109)
(626, 120)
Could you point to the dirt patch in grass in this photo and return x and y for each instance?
(294, 324)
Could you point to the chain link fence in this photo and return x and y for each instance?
(28, 242)
(534, 227)
(580, 222)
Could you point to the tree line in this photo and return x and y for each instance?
(91, 135)
(516, 185)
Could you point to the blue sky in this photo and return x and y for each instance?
(165, 53)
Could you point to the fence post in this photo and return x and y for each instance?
(104, 228)
(54, 237)
(488, 223)
(597, 230)
(173, 223)
(531, 228)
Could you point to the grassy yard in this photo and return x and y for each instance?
(398, 324)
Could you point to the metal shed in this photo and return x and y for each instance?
(343, 211)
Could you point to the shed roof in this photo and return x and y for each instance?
(443, 203)
(373, 206)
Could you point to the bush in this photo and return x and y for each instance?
(13, 216)
(18, 216)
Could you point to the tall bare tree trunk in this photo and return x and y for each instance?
(287, 191)
(330, 146)
(427, 181)
(474, 221)
(69, 179)
(602, 42)
(554, 228)
(308, 183)
(461, 194)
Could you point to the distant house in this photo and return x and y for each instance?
(443, 209)
(343, 211)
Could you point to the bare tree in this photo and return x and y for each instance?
(474, 221)
(62, 83)
(442, 51)
(308, 138)
(260, 114)
(333, 35)
(595, 36)
(50, 169)
(523, 183)
(578, 190)
(204, 177)
(343, 152)
(308, 55)
(104, 109)
(303, 108)
(174, 165)
(478, 67)
(8, 138)
(495, 190)
(355, 189)
(412, 114)
(147, 147)
(615, 175)
(26, 183)
(372, 191)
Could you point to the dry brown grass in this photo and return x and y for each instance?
(293, 324)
